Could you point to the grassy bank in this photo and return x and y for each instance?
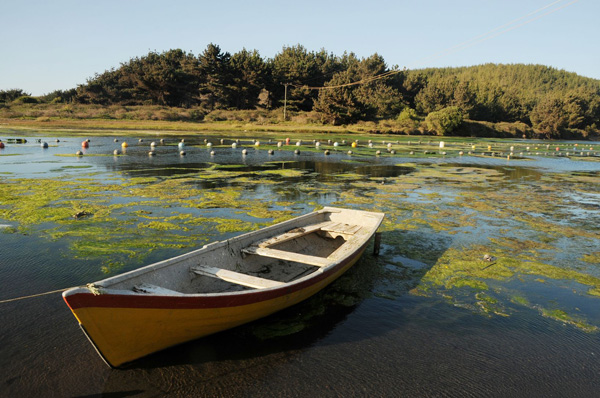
(159, 118)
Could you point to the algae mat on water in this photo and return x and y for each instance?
(539, 230)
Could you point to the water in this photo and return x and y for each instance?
(428, 317)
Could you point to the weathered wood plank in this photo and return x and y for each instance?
(292, 234)
(236, 277)
(288, 256)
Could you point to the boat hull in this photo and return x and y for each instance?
(127, 327)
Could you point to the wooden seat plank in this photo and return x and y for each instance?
(292, 234)
(288, 256)
(236, 277)
(341, 228)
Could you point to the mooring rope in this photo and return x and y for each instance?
(32, 296)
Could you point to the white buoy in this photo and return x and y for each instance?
(116, 140)
(297, 152)
(370, 145)
(279, 144)
(116, 152)
(151, 153)
(270, 152)
(349, 152)
(244, 151)
(336, 144)
(79, 153)
(442, 144)
(378, 153)
(209, 144)
(182, 153)
(152, 144)
(326, 151)
(212, 153)
(181, 145)
(317, 144)
(234, 145)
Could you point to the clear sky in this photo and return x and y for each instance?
(48, 45)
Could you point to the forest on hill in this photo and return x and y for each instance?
(346, 89)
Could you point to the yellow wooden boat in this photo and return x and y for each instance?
(220, 286)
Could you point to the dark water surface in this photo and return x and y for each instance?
(429, 317)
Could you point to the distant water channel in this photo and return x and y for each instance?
(488, 281)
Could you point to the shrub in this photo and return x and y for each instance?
(26, 99)
(445, 120)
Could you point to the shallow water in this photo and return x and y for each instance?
(428, 317)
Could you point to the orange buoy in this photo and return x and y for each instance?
(85, 144)
(1, 144)
(124, 145)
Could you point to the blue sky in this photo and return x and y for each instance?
(48, 45)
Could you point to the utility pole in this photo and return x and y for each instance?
(285, 101)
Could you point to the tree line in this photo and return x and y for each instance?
(551, 101)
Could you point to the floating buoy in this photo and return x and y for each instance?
(411, 153)
(378, 153)
(317, 144)
(271, 151)
(151, 153)
(370, 145)
(181, 145)
(354, 144)
(299, 143)
(124, 145)
(116, 140)
(152, 144)
(212, 153)
(393, 152)
(79, 153)
(349, 152)
(182, 153)
(287, 141)
(473, 147)
(244, 151)
(116, 152)
(57, 140)
(257, 143)
(222, 141)
(234, 145)
(209, 144)
(141, 140)
(326, 151)
(442, 144)
(44, 144)
(1, 144)
(297, 152)
(279, 144)
(162, 140)
(85, 144)
(460, 153)
(336, 144)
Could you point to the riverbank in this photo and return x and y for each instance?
(152, 118)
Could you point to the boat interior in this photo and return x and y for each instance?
(257, 260)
